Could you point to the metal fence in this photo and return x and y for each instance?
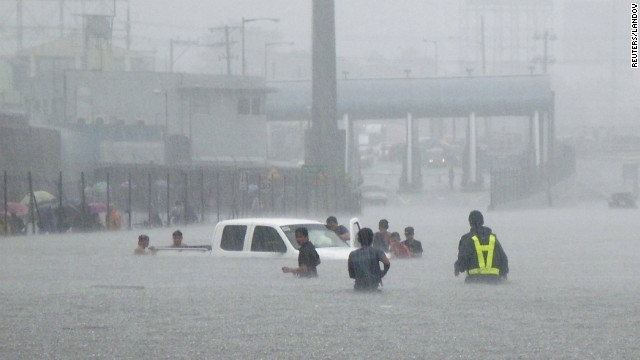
(148, 196)
(521, 179)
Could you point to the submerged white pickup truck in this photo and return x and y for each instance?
(268, 238)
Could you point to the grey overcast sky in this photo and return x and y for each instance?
(591, 73)
(362, 26)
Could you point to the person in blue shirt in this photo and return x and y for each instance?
(363, 264)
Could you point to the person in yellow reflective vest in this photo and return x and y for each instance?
(480, 253)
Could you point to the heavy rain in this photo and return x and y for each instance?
(120, 118)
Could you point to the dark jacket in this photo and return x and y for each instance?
(308, 256)
(468, 258)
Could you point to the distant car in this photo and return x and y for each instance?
(374, 195)
(435, 157)
(622, 200)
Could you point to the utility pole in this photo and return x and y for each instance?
(128, 29)
(482, 45)
(19, 16)
(26, 28)
(226, 43)
(61, 18)
(545, 58)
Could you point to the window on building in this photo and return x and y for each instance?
(233, 237)
(267, 239)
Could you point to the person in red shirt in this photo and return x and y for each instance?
(397, 248)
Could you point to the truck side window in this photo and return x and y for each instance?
(233, 237)
(267, 239)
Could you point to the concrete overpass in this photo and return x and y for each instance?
(410, 98)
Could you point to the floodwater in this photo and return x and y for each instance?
(572, 293)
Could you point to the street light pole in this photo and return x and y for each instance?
(244, 21)
(166, 114)
(266, 51)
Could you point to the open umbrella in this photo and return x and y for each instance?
(16, 208)
(97, 207)
(41, 197)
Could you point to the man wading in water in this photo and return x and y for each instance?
(363, 263)
(308, 258)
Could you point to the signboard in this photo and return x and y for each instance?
(274, 174)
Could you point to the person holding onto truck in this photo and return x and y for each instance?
(143, 246)
(308, 258)
(340, 230)
(177, 239)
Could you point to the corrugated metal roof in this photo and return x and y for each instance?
(428, 97)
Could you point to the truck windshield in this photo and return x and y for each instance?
(319, 235)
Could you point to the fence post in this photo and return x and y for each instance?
(108, 216)
(260, 207)
(296, 203)
(218, 196)
(4, 190)
(201, 195)
(244, 181)
(34, 205)
(186, 197)
(284, 195)
(149, 198)
(83, 202)
(273, 195)
(335, 193)
(129, 201)
(168, 200)
(233, 194)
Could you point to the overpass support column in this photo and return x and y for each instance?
(536, 142)
(411, 179)
(351, 161)
(473, 153)
(470, 177)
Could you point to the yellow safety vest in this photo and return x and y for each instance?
(485, 268)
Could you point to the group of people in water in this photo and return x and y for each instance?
(480, 254)
(144, 248)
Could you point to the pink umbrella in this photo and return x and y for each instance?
(16, 208)
(97, 207)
